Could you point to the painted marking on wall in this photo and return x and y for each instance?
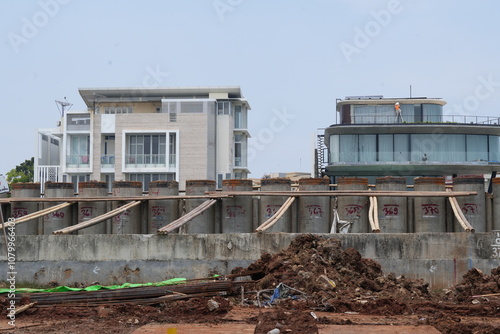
(353, 209)
(390, 209)
(86, 212)
(495, 247)
(315, 210)
(19, 212)
(233, 211)
(430, 209)
(271, 209)
(470, 208)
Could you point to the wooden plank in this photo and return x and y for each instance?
(107, 198)
(98, 219)
(187, 217)
(373, 193)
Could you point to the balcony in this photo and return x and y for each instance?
(427, 119)
(146, 160)
(107, 161)
(77, 161)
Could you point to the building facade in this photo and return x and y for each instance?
(148, 134)
(409, 137)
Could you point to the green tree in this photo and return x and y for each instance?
(22, 173)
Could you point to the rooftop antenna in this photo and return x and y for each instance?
(410, 91)
(63, 105)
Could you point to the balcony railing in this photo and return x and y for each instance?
(108, 161)
(145, 160)
(77, 160)
(393, 118)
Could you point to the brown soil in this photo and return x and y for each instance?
(309, 266)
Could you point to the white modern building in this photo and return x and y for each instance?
(410, 137)
(148, 134)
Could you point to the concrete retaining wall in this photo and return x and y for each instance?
(439, 258)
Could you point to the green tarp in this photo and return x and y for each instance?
(97, 287)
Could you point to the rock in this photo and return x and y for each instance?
(103, 312)
(212, 305)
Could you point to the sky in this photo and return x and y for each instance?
(292, 60)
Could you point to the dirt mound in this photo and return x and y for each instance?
(475, 282)
(338, 279)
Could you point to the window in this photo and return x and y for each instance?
(349, 148)
(223, 108)
(220, 177)
(172, 149)
(118, 110)
(146, 149)
(191, 107)
(78, 121)
(237, 151)
(238, 117)
(385, 148)
(108, 152)
(79, 151)
(401, 147)
(494, 148)
(477, 148)
(367, 148)
(240, 149)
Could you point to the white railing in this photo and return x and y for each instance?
(46, 174)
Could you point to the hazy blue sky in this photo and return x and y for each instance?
(292, 59)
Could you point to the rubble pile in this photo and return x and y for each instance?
(336, 279)
(476, 283)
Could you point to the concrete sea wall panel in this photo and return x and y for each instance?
(439, 258)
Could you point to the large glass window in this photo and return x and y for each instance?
(410, 113)
(146, 149)
(239, 117)
(444, 148)
(477, 148)
(494, 148)
(349, 148)
(78, 122)
(79, 151)
(367, 148)
(335, 148)
(401, 147)
(432, 112)
(385, 148)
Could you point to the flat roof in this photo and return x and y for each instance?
(98, 94)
